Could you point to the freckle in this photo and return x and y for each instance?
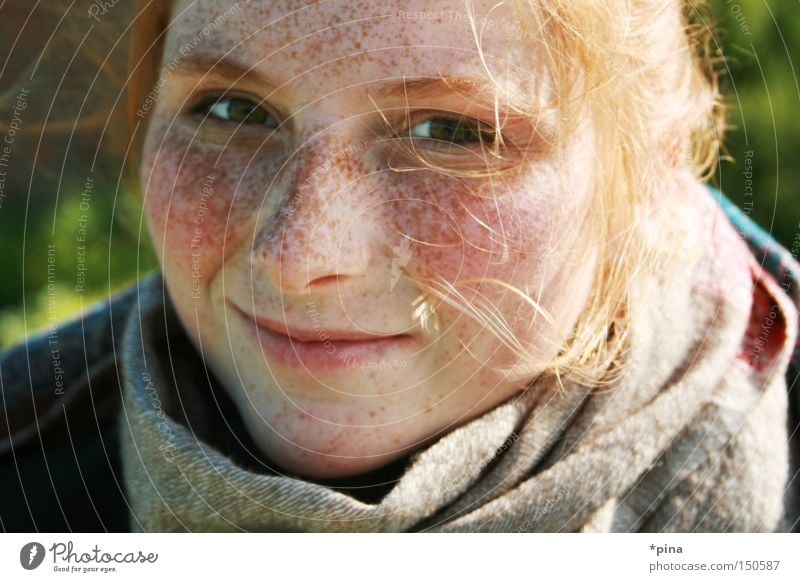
(302, 416)
(372, 414)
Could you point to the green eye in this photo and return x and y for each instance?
(236, 110)
(459, 132)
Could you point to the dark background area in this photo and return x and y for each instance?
(44, 214)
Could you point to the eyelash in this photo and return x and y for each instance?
(205, 107)
(481, 134)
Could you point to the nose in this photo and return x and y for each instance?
(316, 238)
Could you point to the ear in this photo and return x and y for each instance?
(677, 150)
(674, 151)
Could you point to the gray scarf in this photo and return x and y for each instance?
(691, 438)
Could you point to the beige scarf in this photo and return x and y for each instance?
(692, 438)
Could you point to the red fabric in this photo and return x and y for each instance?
(766, 333)
(735, 275)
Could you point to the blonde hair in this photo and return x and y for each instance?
(642, 72)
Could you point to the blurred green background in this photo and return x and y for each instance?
(758, 38)
(761, 41)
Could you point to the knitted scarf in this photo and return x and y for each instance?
(692, 437)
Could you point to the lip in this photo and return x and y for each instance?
(323, 349)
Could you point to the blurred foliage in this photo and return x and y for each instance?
(757, 37)
(64, 253)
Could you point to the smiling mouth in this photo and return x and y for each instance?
(322, 349)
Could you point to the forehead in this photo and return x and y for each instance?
(326, 43)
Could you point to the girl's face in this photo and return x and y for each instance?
(292, 221)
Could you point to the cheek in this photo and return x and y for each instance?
(200, 205)
(460, 232)
(478, 240)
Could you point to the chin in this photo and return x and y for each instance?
(324, 450)
(321, 465)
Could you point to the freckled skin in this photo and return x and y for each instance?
(301, 229)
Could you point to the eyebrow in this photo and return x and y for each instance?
(225, 67)
(426, 87)
(463, 86)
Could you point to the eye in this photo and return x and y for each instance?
(455, 131)
(235, 110)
